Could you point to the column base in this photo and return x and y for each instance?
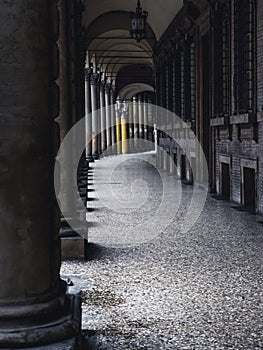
(71, 344)
(36, 329)
(89, 159)
(73, 245)
(95, 156)
(74, 248)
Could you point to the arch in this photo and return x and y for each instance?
(127, 92)
(160, 12)
(139, 73)
(114, 20)
(109, 44)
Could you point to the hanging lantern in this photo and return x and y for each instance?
(138, 23)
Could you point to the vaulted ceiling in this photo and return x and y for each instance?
(108, 42)
(161, 12)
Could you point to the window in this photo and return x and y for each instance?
(244, 47)
(177, 82)
(222, 60)
(189, 77)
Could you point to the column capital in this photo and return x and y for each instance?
(112, 87)
(107, 87)
(88, 72)
(94, 78)
(103, 84)
(140, 98)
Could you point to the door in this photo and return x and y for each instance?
(250, 188)
(225, 173)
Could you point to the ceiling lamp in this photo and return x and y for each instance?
(138, 23)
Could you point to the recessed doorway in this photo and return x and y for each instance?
(249, 190)
(225, 180)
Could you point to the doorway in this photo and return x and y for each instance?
(249, 194)
(225, 180)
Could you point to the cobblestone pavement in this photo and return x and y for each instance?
(200, 289)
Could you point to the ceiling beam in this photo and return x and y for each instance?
(115, 38)
(138, 51)
(125, 63)
(111, 56)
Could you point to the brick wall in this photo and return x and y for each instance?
(238, 150)
(260, 97)
(247, 148)
(260, 54)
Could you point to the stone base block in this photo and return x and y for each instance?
(71, 344)
(73, 247)
(35, 328)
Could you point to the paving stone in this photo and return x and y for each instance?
(200, 289)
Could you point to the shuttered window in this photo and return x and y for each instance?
(189, 79)
(177, 82)
(243, 45)
(222, 60)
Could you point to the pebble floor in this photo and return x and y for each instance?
(200, 289)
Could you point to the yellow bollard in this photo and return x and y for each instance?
(118, 134)
(124, 136)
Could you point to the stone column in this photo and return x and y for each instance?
(135, 120)
(103, 117)
(98, 113)
(145, 119)
(88, 116)
(131, 128)
(64, 117)
(124, 129)
(67, 162)
(118, 131)
(108, 116)
(130, 120)
(113, 122)
(141, 116)
(34, 309)
(94, 107)
(150, 120)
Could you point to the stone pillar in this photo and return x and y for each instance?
(131, 127)
(34, 309)
(141, 116)
(64, 118)
(150, 120)
(118, 131)
(98, 113)
(94, 107)
(68, 161)
(103, 117)
(88, 115)
(113, 129)
(108, 116)
(124, 130)
(135, 120)
(130, 120)
(145, 119)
